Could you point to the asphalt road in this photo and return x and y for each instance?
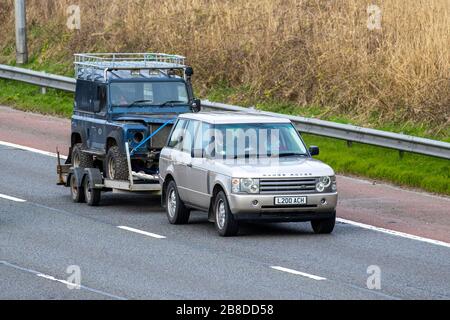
(44, 235)
(364, 201)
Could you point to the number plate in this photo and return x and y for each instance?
(290, 201)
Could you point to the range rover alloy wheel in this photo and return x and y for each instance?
(324, 226)
(225, 223)
(176, 211)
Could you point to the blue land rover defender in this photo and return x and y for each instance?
(124, 107)
(123, 98)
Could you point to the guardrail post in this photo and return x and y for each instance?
(349, 143)
(21, 32)
(401, 153)
(43, 90)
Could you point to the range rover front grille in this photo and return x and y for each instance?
(287, 185)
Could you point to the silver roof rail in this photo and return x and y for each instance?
(91, 65)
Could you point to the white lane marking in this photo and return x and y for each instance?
(394, 233)
(298, 273)
(70, 285)
(25, 148)
(354, 223)
(145, 233)
(41, 275)
(4, 196)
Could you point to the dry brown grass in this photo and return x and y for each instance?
(307, 52)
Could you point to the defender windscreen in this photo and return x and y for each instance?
(124, 94)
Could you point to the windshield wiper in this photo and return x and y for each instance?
(171, 102)
(292, 154)
(138, 102)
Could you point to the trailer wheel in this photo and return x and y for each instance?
(92, 195)
(116, 165)
(76, 192)
(81, 159)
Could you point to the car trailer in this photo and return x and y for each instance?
(87, 184)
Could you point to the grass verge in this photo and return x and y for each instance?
(412, 170)
(27, 97)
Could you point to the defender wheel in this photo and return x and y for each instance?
(225, 223)
(92, 195)
(176, 211)
(116, 165)
(324, 226)
(76, 192)
(81, 159)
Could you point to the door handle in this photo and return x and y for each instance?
(189, 165)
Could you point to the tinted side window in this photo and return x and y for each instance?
(83, 95)
(99, 98)
(190, 133)
(176, 138)
(203, 138)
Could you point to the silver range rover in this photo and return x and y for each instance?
(241, 167)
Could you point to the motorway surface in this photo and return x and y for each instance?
(42, 233)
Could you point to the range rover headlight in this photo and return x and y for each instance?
(247, 185)
(326, 181)
(320, 186)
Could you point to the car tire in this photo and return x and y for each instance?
(92, 196)
(81, 159)
(176, 211)
(76, 192)
(116, 166)
(224, 220)
(324, 226)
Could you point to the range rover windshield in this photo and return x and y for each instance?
(144, 94)
(235, 141)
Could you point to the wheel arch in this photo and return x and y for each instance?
(75, 138)
(167, 179)
(216, 189)
(110, 142)
(115, 138)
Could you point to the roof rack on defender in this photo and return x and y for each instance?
(95, 65)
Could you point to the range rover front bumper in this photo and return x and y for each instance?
(318, 206)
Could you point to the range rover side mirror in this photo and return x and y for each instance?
(314, 150)
(197, 105)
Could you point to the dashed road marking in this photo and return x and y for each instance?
(48, 277)
(298, 273)
(4, 196)
(145, 233)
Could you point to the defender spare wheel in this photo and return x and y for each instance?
(116, 164)
(81, 159)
